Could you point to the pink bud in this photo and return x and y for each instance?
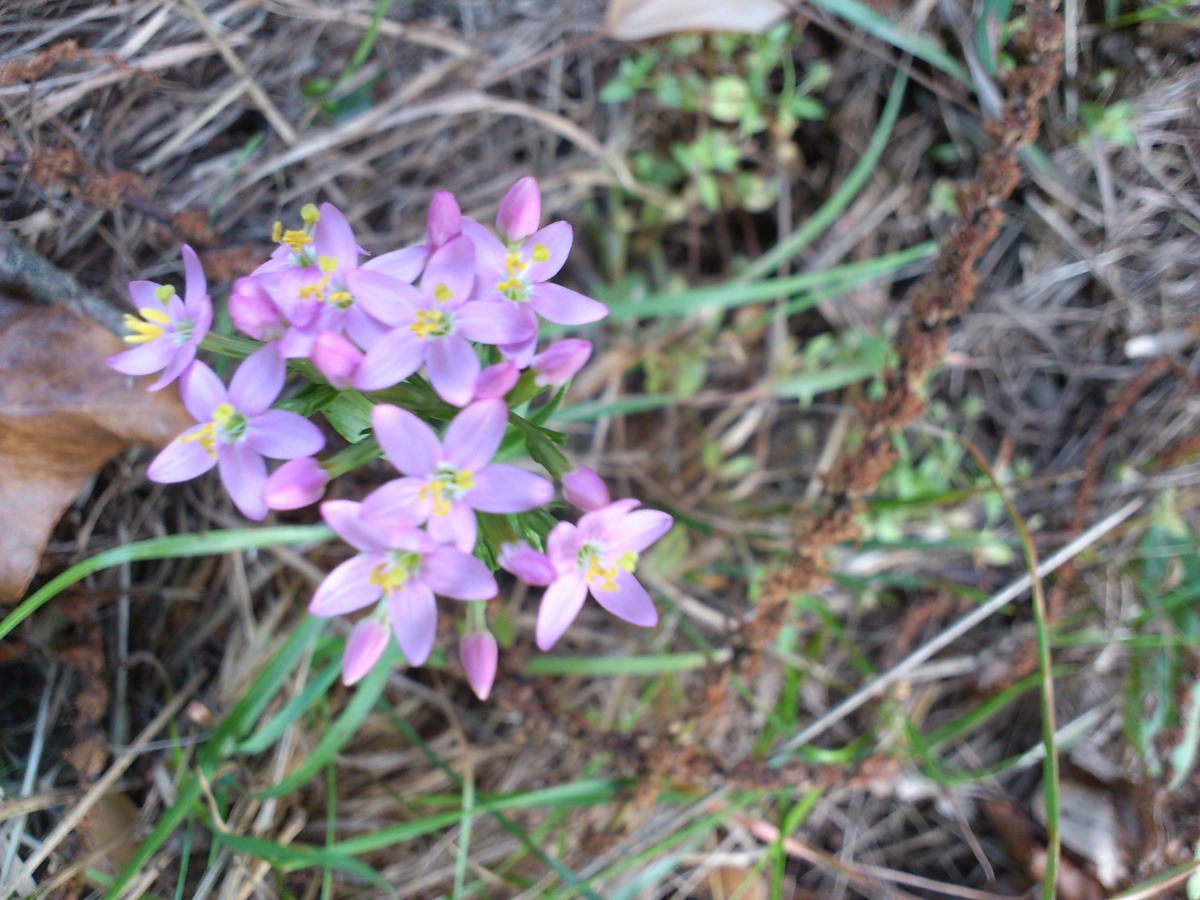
(337, 359)
(526, 563)
(479, 656)
(296, 484)
(366, 643)
(445, 220)
(584, 488)
(560, 361)
(254, 312)
(520, 211)
(497, 380)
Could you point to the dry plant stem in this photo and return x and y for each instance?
(31, 770)
(26, 273)
(961, 627)
(106, 782)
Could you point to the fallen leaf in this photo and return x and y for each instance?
(743, 883)
(63, 414)
(111, 827)
(636, 20)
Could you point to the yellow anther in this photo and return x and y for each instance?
(441, 506)
(150, 314)
(206, 435)
(514, 265)
(464, 480)
(429, 322)
(541, 253)
(442, 293)
(512, 283)
(295, 240)
(340, 298)
(277, 232)
(326, 264)
(223, 413)
(390, 578)
(628, 561)
(606, 576)
(309, 214)
(313, 291)
(164, 292)
(143, 332)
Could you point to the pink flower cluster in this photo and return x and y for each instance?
(368, 324)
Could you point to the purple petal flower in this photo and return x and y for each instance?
(403, 265)
(453, 368)
(413, 612)
(455, 475)
(599, 556)
(496, 381)
(564, 306)
(254, 312)
(296, 484)
(520, 210)
(366, 643)
(348, 587)
(526, 563)
(337, 359)
(445, 220)
(480, 656)
(174, 328)
(558, 363)
(582, 487)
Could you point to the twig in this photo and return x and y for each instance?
(31, 770)
(958, 629)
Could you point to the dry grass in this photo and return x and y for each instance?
(149, 135)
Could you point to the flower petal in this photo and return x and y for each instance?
(409, 444)
(562, 546)
(348, 587)
(506, 489)
(283, 435)
(363, 328)
(639, 530)
(553, 245)
(388, 299)
(413, 612)
(450, 273)
(564, 306)
(490, 251)
(202, 391)
(345, 518)
(521, 210)
(244, 474)
(453, 368)
(258, 380)
(602, 524)
(366, 643)
(629, 601)
(444, 222)
(452, 573)
(142, 294)
(152, 356)
(196, 287)
(397, 355)
(479, 657)
(560, 605)
(398, 501)
(404, 265)
(474, 435)
(334, 237)
(177, 366)
(181, 460)
(457, 528)
(526, 563)
(496, 322)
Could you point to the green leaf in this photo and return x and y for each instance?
(290, 857)
(637, 666)
(728, 98)
(273, 729)
(350, 415)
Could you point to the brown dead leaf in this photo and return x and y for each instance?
(63, 414)
(112, 827)
(636, 20)
(743, 883)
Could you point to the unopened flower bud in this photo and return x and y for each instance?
(560, 361)
(526, 563)
(479, 657)
(254, 312)
(582, 487)
(366, 643)
(445, 221)
(296, 484)
(337, 359)
(497, 380)
(520, 211)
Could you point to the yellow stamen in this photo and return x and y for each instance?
(164, 292)
(327, 264)
(429, 322)
(309, 215)
(390, 578)
(442, 293)
(207, 436)
(541, 253)
(277, 232)
(313, 291)
(143, 332)
(514, 265)
(295, 240)
(628, 561)
(150, 314)
(512, 283)
(223, 413)
(340, 298)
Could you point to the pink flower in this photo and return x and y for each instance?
(558, 363)
(237, 429)
(366, 643)
(337, 359)
(479, 655)
(445, 221)
(526, 563)
(296, 484)
(496, 381)
(582, 487)
(254, 312)
(518, 270)
(170, 329)
(402, 566)
(599, 556)
(435, 325)
(447, 481)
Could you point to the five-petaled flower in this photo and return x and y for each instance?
(170, 329)
(404, 567)
(448, 480)
(237, 429)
